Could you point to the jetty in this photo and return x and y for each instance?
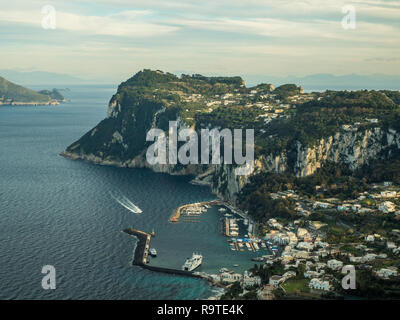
(178, 212)
(142, 249)
(227, 232)
(141, 254)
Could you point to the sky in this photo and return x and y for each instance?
(113, 39)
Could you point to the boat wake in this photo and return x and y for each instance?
(127, 204)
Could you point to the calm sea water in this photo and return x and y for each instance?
(55, 211)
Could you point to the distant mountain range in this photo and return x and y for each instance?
(309, 82)
(329, 81)
(41, 78)
(14, 94)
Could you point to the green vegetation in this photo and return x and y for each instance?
(315, 119)
(294, 286)
(287, 90)
(266, 272)
(235, 117)
(233, 292)
(53, 94)
(370, 287)
(334, 180)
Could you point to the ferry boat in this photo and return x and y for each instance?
(193, 262)
(153, 252)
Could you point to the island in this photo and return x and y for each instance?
(12, 94)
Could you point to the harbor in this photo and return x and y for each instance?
(191, 212)
(142, 253)
(220, 250)
(223, 234)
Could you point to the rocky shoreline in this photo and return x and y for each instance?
(33, 103)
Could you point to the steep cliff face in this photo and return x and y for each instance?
(353, 149)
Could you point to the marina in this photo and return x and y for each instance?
(235, 228)
(191, 212)
(142, 253)
(234, 239)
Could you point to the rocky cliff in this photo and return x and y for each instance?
(120, 140)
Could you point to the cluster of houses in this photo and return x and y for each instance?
(354, 126)
(265, 101)
(381, 202)
(227, 277)
(303, 243)
(306, 246)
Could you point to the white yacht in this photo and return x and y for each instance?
(193, 262)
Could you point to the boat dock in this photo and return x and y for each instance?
(142, 249)
(194, 210)
(227, 233)
(141, 254)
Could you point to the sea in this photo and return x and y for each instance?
(66, 214)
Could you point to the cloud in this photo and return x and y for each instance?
(126, 24)
(295, 9)
(297, 31)
(114, 37)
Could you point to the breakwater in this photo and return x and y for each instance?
(176, 215)
(142, 248)
(141, 254)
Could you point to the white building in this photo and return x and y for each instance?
(386, 273)
(289, 274)
(321, 205)
(281, 239)
(251, 281)
(313, 274)
(370, 257)
(334, 264)
(275, 224)
(319, 284)
(305, 246)
(387, 207)
(357, 259)
(302, 233)
(322, 244)
(292, 238)
(276, 280)
(370, 238)
(388, 194)
(229, 278)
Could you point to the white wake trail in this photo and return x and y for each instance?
(127, 204)
(131, 204)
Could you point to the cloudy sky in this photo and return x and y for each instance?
(112, 39)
